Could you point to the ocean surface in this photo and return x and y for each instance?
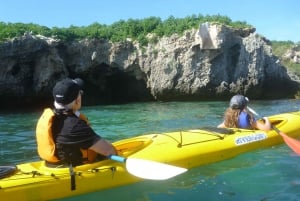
(271, 174)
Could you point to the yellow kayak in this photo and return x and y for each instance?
(183, 149)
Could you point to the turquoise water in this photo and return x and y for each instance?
(262, 175)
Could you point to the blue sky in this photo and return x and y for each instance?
(274, 19)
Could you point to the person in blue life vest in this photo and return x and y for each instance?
(68, 137)
(237, 116)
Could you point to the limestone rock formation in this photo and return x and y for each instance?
(293, 55)
(209, 63)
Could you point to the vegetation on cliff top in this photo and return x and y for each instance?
(136, 29)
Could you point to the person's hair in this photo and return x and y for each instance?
(231, 117)
(64, 107)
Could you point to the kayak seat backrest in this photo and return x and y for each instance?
(218, 130)
(6, 171)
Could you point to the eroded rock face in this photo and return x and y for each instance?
(212, 62)
(216, 61)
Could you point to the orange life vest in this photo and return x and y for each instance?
(45, 141)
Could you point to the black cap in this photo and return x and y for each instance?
(238, 102)
(67, 90)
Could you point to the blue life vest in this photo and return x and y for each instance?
(244, 120)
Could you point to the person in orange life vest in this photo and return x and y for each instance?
(72, 134)
(237, 116)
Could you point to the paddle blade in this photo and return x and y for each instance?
(292, 143)
(152, 170)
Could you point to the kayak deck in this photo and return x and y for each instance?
(187, 149)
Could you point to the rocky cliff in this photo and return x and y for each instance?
(210, 63)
